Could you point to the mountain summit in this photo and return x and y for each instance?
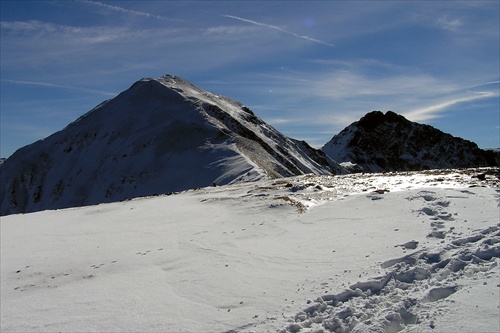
(161, 135)
(390, 142)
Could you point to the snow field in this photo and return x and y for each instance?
(410, 252)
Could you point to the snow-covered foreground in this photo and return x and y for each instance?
(409, 252)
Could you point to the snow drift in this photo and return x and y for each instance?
(395, 252)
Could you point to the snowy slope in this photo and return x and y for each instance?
(161, 135)
(389, 142)
(407, 252)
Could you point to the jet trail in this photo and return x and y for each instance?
(279, 29)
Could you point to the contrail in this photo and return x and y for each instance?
(279, 29)
(129, 11)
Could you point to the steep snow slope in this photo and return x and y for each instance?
(407, 252)
(390, 142)
(161, 135)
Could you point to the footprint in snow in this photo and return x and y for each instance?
(441, 234)
(391, 302)
(435, 294)
(411, 245)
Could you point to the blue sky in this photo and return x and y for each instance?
(308, 68)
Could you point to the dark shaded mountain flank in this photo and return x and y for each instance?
(390, 142)
(159, 136)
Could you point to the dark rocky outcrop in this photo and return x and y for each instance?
(390, 142)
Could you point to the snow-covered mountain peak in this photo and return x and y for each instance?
(178, 84)
(190, 91)
(173, 81)
(161, 135)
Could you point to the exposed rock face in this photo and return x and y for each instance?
(161, 135)
(389, 142)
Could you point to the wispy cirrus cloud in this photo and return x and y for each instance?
(59, 86)
(132, 12)
(435, 110)
(27, 26)
(450, 23)
(341, 96)
(36, 27)
(279, 29)
(56, 33)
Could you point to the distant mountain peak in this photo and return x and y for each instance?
(390, 142)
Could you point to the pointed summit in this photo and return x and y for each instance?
(159, 136)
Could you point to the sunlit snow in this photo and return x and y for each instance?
(395, 252)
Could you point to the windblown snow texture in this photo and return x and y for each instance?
(390, 142)
(389, 252)
(161, 135)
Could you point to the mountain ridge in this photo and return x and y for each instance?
(159, 136)
(389, 142)
(167, 135)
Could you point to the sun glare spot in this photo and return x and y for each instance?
(309, 22)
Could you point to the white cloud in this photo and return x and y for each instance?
(335, 99)
(38, 44)
(280, 121)
(37, 27)
(359, 80)
(27, 26)
(51, 85)
(349, 84)
(448, 23)
(435, 110)
(56, 34)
